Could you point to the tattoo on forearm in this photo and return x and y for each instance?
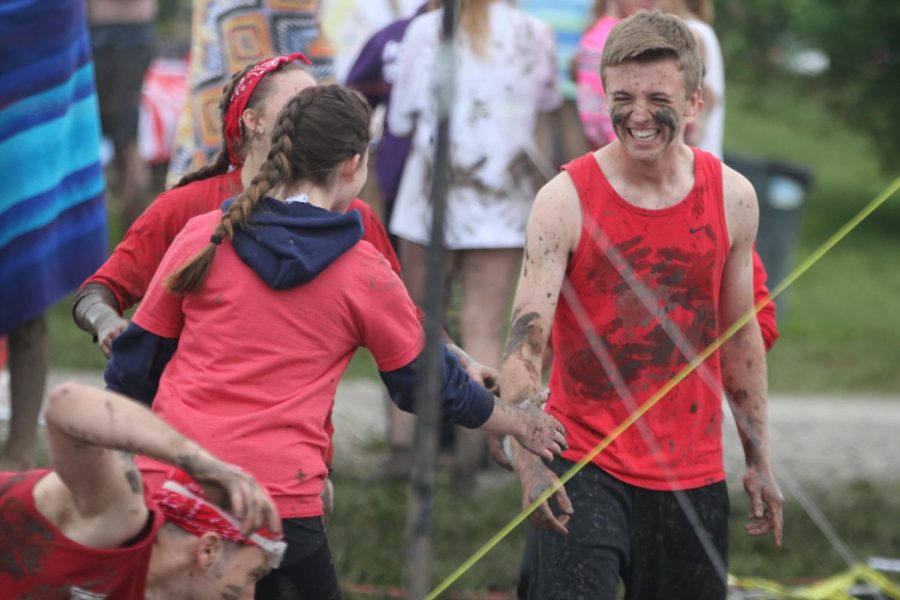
(134, 481)
(525, 330)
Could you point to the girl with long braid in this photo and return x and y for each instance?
(267, 301)
(249, 104)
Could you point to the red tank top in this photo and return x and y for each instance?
(38, 561)
(626, 255)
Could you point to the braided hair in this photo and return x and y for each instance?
(333, 124)
(264, 88)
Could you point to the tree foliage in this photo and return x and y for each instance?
(860, 37)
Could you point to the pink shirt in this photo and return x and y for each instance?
(592, 107)
(255, 373)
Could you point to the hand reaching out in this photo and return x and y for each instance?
(543, 434)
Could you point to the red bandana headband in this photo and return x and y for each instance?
(182, 502)
(234, 125)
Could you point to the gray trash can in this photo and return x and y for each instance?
(781, 189)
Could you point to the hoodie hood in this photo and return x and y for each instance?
(289, 243)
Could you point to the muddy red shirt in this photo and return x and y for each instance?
(38, 561)
(676, 255)
(128, 271)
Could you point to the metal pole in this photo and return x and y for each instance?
(419, 523)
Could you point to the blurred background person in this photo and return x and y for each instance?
(561, 136)
(348, 24)
(373, 74)
(226, 36)
(52, 216)
(708, 129)
(505, 78)
(592, 108)
(123, 41)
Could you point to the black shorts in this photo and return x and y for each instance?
(643, 537)
(122, 54)
(307, 570)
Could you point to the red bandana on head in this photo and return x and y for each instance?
(234, 125)
(184, 504)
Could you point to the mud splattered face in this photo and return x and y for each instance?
(649, 106)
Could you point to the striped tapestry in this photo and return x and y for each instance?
(52, 215)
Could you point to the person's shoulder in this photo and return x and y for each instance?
(736, 188)
(557, 204)
(424, 25)
(198, 227)
(201, 195)
(365, 211)
(701, 28)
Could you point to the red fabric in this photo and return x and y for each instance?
(678, 253)
(375, 233)
(255, 373)
(197, 515)
(128, 271)
(766, 316)
(234, 126)
(38, 561)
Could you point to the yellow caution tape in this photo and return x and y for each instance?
(838, 587)
(813, 258)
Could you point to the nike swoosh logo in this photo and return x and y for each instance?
(696, 229)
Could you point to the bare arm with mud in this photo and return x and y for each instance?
(95, 494)
(553, 232)
(743, 358)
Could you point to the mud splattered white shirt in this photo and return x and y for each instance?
(498, 98)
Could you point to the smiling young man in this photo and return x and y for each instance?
(639, 256)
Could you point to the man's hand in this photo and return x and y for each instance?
(496, 440)
(109, 327)
(249, 502)
(766, 514)
(540, 433)
(495, 448)
(537, 478)
(327, 499)
(483, 375)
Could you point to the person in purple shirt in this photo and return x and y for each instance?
(373, 76)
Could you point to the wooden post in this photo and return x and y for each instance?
(419, 523)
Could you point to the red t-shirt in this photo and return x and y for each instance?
(38, 561)
(128, 271)
(255, 373)
(766, 316)
(678, 255)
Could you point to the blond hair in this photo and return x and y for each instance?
(650, 36)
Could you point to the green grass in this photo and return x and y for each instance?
(840, 328)
(367, 535)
